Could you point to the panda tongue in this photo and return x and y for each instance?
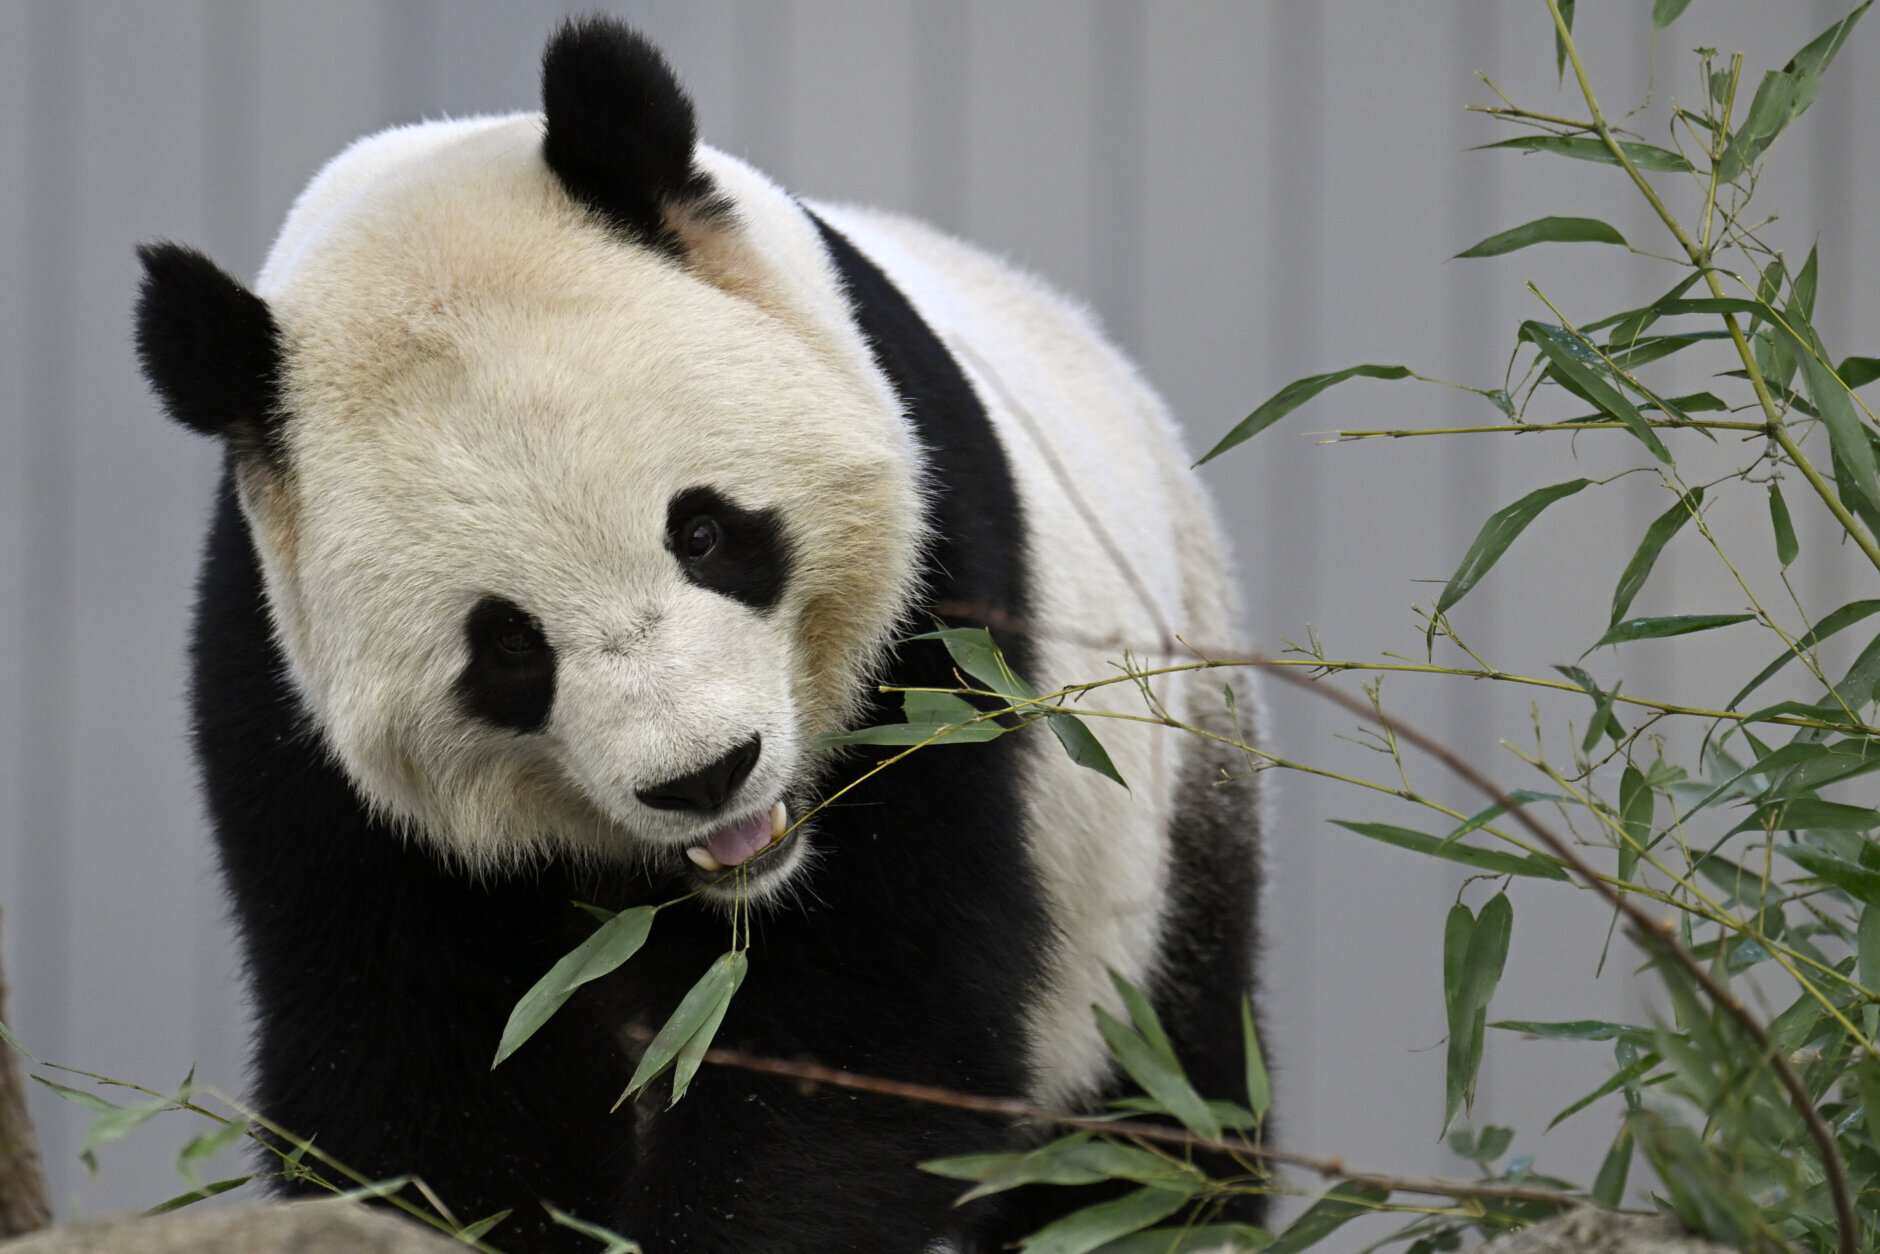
(734, 843)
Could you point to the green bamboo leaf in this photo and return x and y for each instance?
(611, 1241)
(1210, 1237)
(1665, 12)
(1142, 1015)
(1857, 882)
(615, 941)
(1566, 8)
(1867, 948)
(1474, 984)
(1847, 435)
(904, 735)
(1291, 397)
(1657, 536)
(1587, 148)
(1783, 95)
(1160, 1078)
(1629, 324)
(1609, 1186)
(1482, 818)
(1867, 1080)
(1534, 866)
(1082, 744)
(692, 1053)
(1636, 803)
(1259, 1089)
(1340, 1204)
(208, 1145)
(1576, 1030)
(936, 707)
(1837, 621)
(974, 651)
(79, 1097)
(1500, 531)
(698, 1013)
(14, 1043)
(478, 1230)
(1549, 230)
(196, 1195)
(1086, 1229)
(1788, 548)
(1618, 1080)
(1662, 628)
(1603, 720)
(1808, 813)
(1801, 308)
(1858, 372)
(1567, 354)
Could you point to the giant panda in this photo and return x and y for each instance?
(577, 478)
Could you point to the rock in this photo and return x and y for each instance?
(1589, 1230)
(322, 1227)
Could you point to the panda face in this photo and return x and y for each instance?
(568, 547)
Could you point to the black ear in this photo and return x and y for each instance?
(209, 346)
(620, 132)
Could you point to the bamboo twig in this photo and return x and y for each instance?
(1645, 929)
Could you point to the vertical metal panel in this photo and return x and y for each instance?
(41, 962)
(1246, 193)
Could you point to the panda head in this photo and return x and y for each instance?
(579, 505)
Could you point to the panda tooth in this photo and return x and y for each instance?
(779, 820)
(703, 860)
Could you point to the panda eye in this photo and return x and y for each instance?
(518, 637)
(699, 537)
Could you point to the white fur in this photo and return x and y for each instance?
(1124, 554)
(493, 395)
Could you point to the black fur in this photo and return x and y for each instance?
(383, 977)
(510, 677)
(620, 130)
(209, 348)
(751, 560)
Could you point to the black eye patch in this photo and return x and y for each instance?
(510, 677)
(741, 553)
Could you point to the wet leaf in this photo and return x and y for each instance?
(615, 941)
(1662, 628)
(1588, 148)
(1291, 397)
(1549, 230)
(1500, 531)
(1086, 1229)
(1494, 860)
(1657, 536)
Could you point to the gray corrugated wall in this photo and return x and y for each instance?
(1246, 192)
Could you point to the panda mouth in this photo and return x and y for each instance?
(738, 842)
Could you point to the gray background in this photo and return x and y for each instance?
(1246, 192)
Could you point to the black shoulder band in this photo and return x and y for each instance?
(975, 573)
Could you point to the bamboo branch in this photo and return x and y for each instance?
(1646, 930)
(1014, 1108)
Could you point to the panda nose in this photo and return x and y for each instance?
(708, 787)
